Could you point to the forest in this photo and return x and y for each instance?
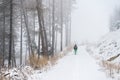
(33, 27)
(59, 40)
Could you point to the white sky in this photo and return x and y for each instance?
(90, 20)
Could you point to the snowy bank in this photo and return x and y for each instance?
(109, 46)
(108, 51)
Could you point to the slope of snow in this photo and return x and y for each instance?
(109, 46)
(73, 67)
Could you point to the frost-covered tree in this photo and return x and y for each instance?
(115, 20)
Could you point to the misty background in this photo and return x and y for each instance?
(91, 19)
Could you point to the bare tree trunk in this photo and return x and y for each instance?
(41, 27)
(34, 24)
(56, 41)
(70, 22)
(53, 27)
(66, 31)
(21, 40)
(26, 23)
(26, 53)
(46, 41)
(50, 23)
(70, 31)
(13, 54)
(3, 36)
(61, 25)
(44, 34)
(39, 42)
(11, 27)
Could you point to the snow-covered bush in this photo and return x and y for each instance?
(16, 73)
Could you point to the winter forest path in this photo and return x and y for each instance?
(75, 67)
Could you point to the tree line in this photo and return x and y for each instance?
(115, 20)
(33, 26)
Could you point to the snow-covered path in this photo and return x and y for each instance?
(75, 67)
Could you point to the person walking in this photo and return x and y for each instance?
(75, 49)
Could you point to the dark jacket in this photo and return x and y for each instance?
(75, 47)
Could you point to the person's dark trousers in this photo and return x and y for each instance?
(75, 51)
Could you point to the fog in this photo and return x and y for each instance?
(90, 19)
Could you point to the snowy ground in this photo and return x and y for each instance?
(73, 67)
